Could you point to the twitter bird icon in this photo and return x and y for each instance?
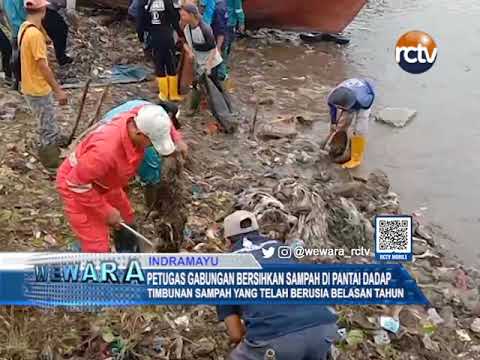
(268, 253)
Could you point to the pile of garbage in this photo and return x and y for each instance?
(98, 41)
(292, 186)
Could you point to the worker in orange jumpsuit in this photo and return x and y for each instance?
(91, 180)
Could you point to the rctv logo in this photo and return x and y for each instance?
(416, 52)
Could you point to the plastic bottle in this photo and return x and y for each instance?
(296, 243)
(270, 355)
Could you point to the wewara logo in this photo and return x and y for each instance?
(416, 52)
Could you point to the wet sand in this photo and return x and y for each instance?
(433, 162)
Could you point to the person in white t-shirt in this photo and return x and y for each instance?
(200, 45)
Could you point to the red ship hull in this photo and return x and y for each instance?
(331, 16)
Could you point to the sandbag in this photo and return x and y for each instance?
(185, 73)
(219, 103)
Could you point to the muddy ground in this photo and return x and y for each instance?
(285, 181)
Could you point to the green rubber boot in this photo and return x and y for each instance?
(50, 156)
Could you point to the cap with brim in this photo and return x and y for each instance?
(154, 122)
(191, 9)
(164, 146)
(343, 97)
(35, 4)
(233, 223)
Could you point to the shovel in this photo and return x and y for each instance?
(137, 234)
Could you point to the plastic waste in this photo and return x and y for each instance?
(342, 333)
(430, 344)
(270, 355)
(182, 321)
(434, 317)
(297, 243)
(187, 233)
(74, 247)
(381, 338)
(354, 337)
(475, 326)
(196, 191)
(429, 328)
(390, 324)
(158, 344)
(463, 335)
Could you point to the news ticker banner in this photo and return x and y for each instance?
(121, 280)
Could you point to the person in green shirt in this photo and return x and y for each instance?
(236, 21)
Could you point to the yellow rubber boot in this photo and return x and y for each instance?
(358, 150)
(173, 88)
(163, 88)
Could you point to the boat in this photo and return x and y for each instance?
(325, 16)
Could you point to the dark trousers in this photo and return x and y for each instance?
(163, 46)
(57, 30)
(6, 50)
(308, 344)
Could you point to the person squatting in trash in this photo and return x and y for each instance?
(352, 101)
(92, 178)
(293, 332)
(150, 171)
(38, 83)
(158, 18)
(200, 45)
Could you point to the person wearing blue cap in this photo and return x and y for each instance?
(352, 101)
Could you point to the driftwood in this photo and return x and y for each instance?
(282, 127)
(96, 117)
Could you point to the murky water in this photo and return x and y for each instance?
(434, 162)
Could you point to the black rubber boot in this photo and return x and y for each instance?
(125, 241)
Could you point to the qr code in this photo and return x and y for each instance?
(394, 234)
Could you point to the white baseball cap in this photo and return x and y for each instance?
(154, 122)
(232, 225)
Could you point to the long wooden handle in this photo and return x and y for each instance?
(329, 140)
(80, 111)
(137, 234)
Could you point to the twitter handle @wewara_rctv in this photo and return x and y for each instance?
(300, 252)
